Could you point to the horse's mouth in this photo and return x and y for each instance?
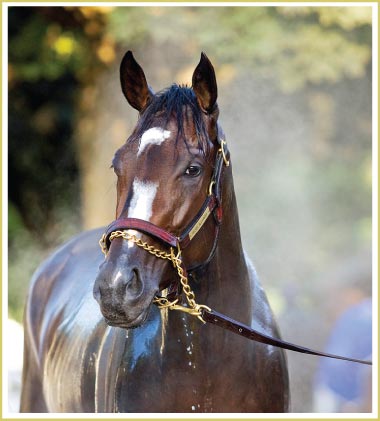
(122, 321)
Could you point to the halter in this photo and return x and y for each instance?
(211, 206)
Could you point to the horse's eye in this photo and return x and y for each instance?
(193, 171)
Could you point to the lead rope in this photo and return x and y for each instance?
(162, 302)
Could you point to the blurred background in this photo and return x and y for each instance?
(295, 104)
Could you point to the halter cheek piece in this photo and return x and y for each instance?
(211, 206)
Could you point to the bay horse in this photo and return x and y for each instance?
(100, 333)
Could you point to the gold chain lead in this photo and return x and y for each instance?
(162, 302)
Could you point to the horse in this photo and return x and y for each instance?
(102, 334)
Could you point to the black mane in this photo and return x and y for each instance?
(175, 102)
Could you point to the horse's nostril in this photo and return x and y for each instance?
(134, 284)
(118, 286)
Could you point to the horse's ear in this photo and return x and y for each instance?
(204, 84)
(133, 83)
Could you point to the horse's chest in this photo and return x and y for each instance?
(182, 375)
(146, 370)
(185, 384)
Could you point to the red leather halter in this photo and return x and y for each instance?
(211, 206)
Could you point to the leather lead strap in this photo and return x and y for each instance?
(241, 329)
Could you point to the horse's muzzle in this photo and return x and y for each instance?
(123, 296)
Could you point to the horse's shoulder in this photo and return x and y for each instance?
(78, 245)
(57, 271)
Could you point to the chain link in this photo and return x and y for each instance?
(162, 302)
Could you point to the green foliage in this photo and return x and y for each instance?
(51, 43)
(43, 175)
(37, 51)
(291, 45)
(22, 260)
(15, 224)
(129, 25)
(347, 18)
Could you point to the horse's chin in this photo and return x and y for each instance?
(125, 322)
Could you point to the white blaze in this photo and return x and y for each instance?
(141, 205)
(142, 200)
(155, 135)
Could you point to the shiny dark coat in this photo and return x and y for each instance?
(77, 360)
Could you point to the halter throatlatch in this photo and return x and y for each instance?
(212, 205)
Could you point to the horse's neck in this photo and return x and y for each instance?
(225, 284)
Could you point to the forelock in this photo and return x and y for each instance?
(178, 104)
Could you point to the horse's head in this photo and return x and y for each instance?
(163, 177)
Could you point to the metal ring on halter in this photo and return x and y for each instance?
(210, 187)
(223, 143)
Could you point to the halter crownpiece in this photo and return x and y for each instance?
(212, 205)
